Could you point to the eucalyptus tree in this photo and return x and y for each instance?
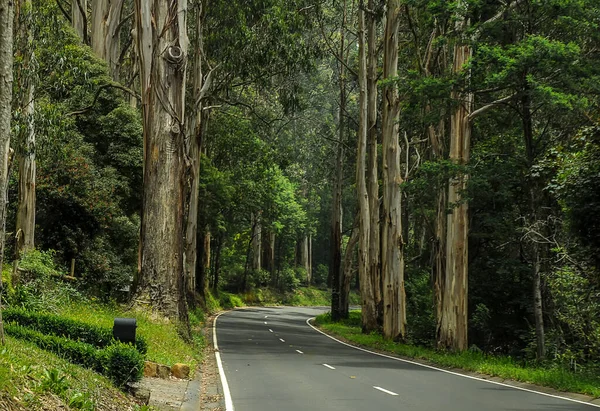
(6, 82)
(79, 19)
(105, 32)
(163, 49)
(25, 150)
(392, 248)
(367, 281)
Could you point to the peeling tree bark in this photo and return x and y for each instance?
(369, 312)
(79, 19)
(392, 253)
(453, 323)
(196, 125)
(6, 87)
(162, 46)
(372, 166)
(25, 225)
(336, 214)
(106, 16)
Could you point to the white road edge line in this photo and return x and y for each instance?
(282, 340)
(449, 372)
(329, 366)
(226, 393)
(299, 352)
(384, 390)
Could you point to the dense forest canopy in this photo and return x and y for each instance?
(443, 158)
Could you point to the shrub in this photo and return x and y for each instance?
(120, 362)
(228, 301)
(64, 327)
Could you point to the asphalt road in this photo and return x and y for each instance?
(274, 361)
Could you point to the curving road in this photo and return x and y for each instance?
(273, 360)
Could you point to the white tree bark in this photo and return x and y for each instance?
(453, 323)
(372, 166)
(194, 150)
(392, 253)
(79, 18)
(6, 86)
(163, 47)
(25, 224)
(106, 16)
(369, 312)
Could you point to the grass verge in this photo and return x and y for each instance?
(302, 296)
(34, 379)
(165, 346)
(496, 366)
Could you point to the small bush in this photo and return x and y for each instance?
(120, 362)
(229, 301)
(63, 327)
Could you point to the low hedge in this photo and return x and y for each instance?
(64, 327)
(120, 362)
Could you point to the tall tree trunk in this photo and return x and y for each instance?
(256, 241)
(194, 150)
(6, 87)
(436, 139)
(305, 256)
(347, 273)
(392, 253)
(79, 19)
(25, 225)
(217, 268)
(163, 45)
(369, 312)
(372, 166)
(534, 211)
(336, 214)
(454, 315)
(106, 16)
(203, 265)
(270, 260)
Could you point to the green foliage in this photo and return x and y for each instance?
(64, 327)
(39, 264)
(228, 301)
(54, 382)
(120, 362)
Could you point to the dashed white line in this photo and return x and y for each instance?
(282, 340)
(266, 316)
(265, 322)
(329, 366)
(450, 372)
(270, 330)
(299, 352)
(384, 390)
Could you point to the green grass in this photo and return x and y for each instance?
(497, 366)
(302, 296)
(34, 379)
(165, 346)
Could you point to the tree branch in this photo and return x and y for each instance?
(97, 95)
(483, 109)
(64, 12)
